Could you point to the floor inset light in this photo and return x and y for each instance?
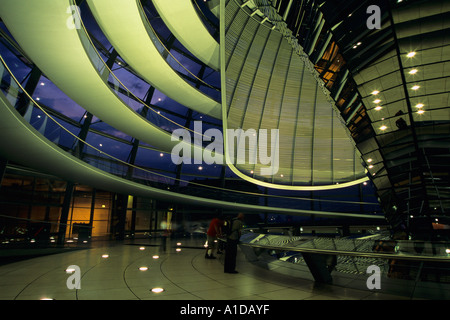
(375, 92)
(369, 160)
(415, 87)
(420, 111)
(378, 108)
(143, 268)
(155, 257)
(419, 105)
(178, 250)
(413, 71)
(105, 256)
(383, 128)
(157, 290)
(142, 248)
(411, 54)
(371, 166)
(377, 101)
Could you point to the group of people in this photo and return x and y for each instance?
(217, 239)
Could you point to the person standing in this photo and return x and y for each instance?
(214, 232)
(232, 243)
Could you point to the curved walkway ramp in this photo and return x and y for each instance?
(125, 25)
(67, 58)
(182, 19)
(272, 94)
(23, 144)
(183, 275)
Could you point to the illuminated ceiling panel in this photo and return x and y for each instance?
(269, 86)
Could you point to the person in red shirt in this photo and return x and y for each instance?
(212, 235)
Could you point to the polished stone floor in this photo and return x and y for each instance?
(130, 270)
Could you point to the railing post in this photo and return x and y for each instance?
(320, 266)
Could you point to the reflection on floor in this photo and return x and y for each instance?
(130, 270)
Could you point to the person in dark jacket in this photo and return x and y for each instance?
(232, 243)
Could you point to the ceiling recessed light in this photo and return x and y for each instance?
(143, 268)
(411, 54)
(420, 111)
(155, 257)
(383, 128)
(371, 166)
(369, 160)
(105, 256)
(157, 290)
(375, 92)
(415, 87)
(413, 71)
(377, 101)
(419, 105)
(142, 248)
(378, 108)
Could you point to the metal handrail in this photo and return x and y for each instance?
(383, 255)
